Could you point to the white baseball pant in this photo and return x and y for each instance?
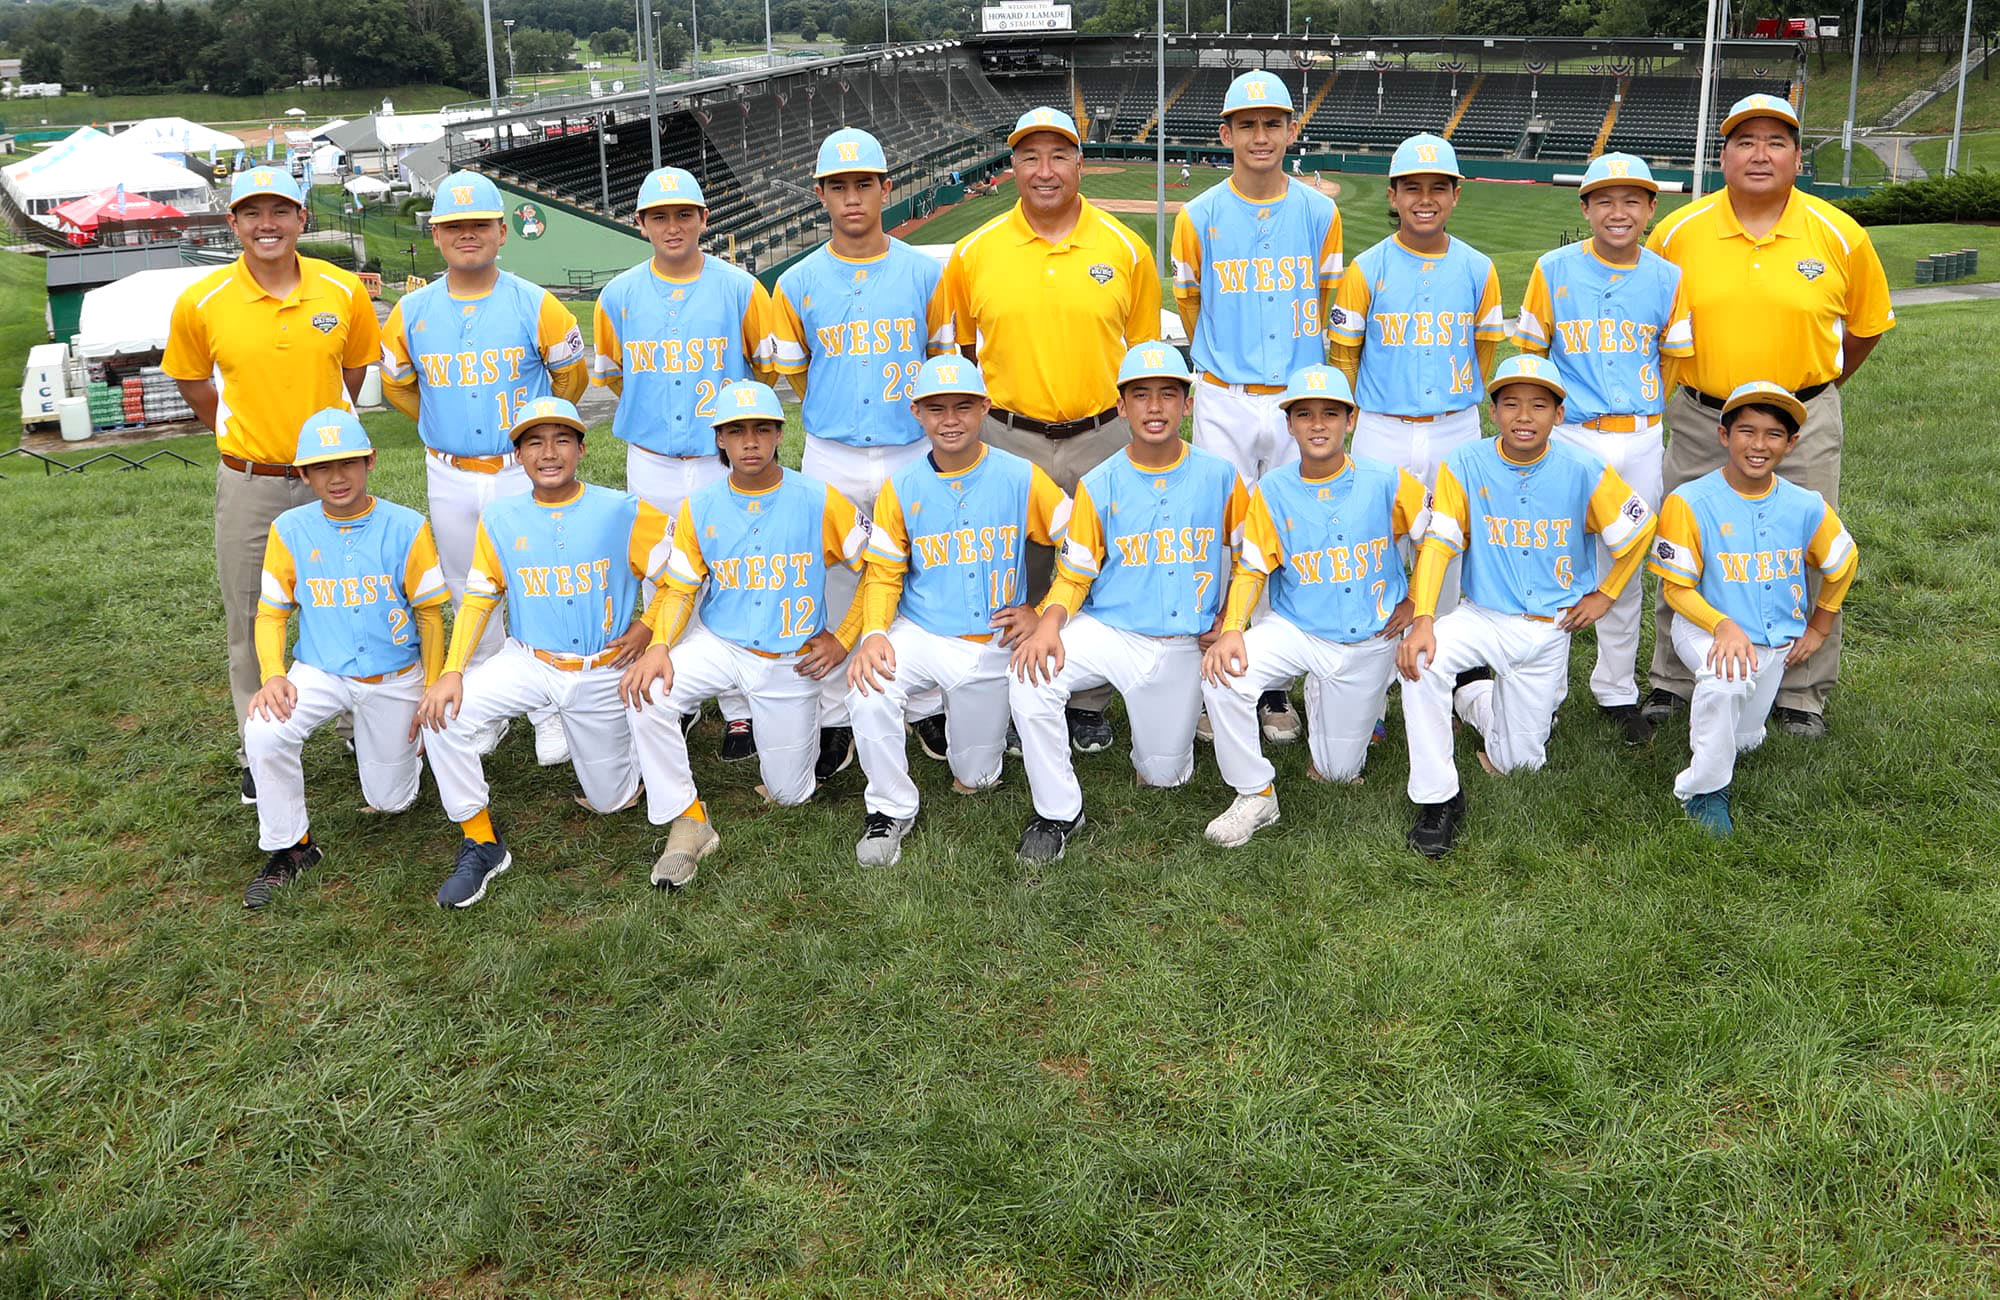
(1346, 688)
(389, 762)
(971, 676)
(1726, 718)
(1637, 457)
(858, 474)
(1160, 679)
(1244, 428)
(1512, 712)
(456, 497)
(1418, 446)
(514, 682)
(781, 704)
(663, 482)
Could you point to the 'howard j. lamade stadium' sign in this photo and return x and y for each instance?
(1025, 18)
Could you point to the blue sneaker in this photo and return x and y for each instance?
(477, 864)
(1711, 812)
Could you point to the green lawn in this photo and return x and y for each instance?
(24, 297)
(1982, 106)
(227, 110)
(1868, 169)
(1901, 74)
(1976, 150)
(1590, 1054)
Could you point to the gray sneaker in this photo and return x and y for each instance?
(477, 865)
(688, 842)
(881, 842)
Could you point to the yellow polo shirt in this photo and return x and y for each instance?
(1052, 321)
(274, 363)
(1773, 308)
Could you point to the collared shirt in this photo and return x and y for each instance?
(1773, 308)
(273, 362)
(1052, 321)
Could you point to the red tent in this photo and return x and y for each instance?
(79, 217)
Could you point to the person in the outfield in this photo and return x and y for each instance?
(1527, 514)
(1324, 532)
(256, 347)
(670, 334)
(852, 322)
(1047, 299)
(461, 356)
(1785, 288)
(1255, 263)
(1138, 591)
(944, 600)
(570, 560)
(754, 548)
(1608, 312)
(363, 575)
(1736, 551)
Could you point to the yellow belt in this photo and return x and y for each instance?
(1622, 423)
(474, 464)
(1261, 390)
(570, 663)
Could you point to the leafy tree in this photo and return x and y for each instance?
(612, 40)
(42, 61)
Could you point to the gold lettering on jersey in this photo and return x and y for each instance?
(1768, 566)
(1166, 546)
(578, 579)
(968, 545)
(1424, 328)
(346, 593)
(1606, 334)
(1527, 534)
(470, 369)
(1263, 274)
(861, 338)
(1339, 563)
(675, 356)
(762, 572)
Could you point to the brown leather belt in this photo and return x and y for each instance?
(1058, 429)
(259, 469)
(1715, 403)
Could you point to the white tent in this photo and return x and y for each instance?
(87, 161)
(177, 135)
(365, 186)
(129, 317)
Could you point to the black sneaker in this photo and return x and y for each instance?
(249, 789)
(1437, 826)
(1477, 673)
(1660, 705)
(1088, 731)
(738, 741)
(1632, 723)
(1013, 741)
(1044, 840)
(930, 734)
(1797, 722)
(689, 719)
(836, 752)
(284, 866)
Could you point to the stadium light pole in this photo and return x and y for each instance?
(770, 55)
(1853, 93)
(1701, 114)
(1958, 116)
(650, 53)
(694, 30)
(492, 77)
(508, 23)
(1160, 138)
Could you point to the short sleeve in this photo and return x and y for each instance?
(1619, 516)
(1868, 310)
(1451, 512)
(1348, 324)
(396, 363)
(187, 355)
(281, 577)
(1082, 551)
(889, 535)
(685, 566)
(1406, 513)
(1048, 508)
(1490, 322)
(487, 576)
(843, 531)
(364, 332)
(652, 544)
(423, 575)
(788, 334)
(1262, 549)
(558, 335)
(1536, 323)
(1676, 556)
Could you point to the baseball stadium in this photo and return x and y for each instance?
(1600, 1042)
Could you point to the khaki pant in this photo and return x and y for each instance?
(1693, 449)
(245, 505)
(1065, 460)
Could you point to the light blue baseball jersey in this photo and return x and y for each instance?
(1329, 545)
(475, 362)
(859, 332)
(571, 572)
(668, 347)
(1254, 281)
(1749, 558)
(1418, 320)
(1155, 546)
(764, 557)
(957, 542)
(1606, 328)
(356, 584)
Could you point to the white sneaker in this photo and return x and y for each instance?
(881, 842)
(688, 842)
(489, 738)
(551, 743)
(1245, 816)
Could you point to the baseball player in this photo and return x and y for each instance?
(761, 540)
(1527, 514)
(852, 322)
(1324, 531)
(945, 600)
(363, 574)
(670, 335)
(1607, 311)
(570, 560)
(1734, 550)
(1255, 263)
(1139, 584)
(461, 356)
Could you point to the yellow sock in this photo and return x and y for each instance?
(695, 813)
(479, 828)
(1268, 791)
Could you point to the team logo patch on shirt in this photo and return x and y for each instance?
(1667, 551)
(1811, 268)
(325, 321)
(1635, 510)
(1101, 273)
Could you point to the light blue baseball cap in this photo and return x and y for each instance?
(466, 196)
(1526, 369)
(545, 410)
(1153, 361)
(666, 186)
(256, 181)
(1759, 106)
(949, 374)
(1327, 383)
(1044, 119)
(746, 399)
(1763, 392)
(850, 149)
(1618, 169)
(331, 434)
(1258, 89)
(1425, 155)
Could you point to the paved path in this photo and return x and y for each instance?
(1977, 291)
(1898, 158)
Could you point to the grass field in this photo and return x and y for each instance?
(227, 110)
(1590, 1054)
